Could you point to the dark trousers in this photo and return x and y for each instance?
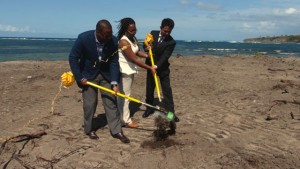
(164, 79)
(109, 101)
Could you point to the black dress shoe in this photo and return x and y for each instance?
(176, 119)
(121, 137)
(147, 113)
(93, 135)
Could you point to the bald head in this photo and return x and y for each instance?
(103, 31)
(103, 24)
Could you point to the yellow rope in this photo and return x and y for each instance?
(67, 79)
(54, 99)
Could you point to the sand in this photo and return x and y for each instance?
(235, 112)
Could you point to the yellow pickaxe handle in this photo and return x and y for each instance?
(122, 95)
(113, 92)
(169, 115)
(155, 76)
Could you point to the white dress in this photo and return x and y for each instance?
(128, 69)
(126, 66)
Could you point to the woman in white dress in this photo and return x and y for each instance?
(129, 54)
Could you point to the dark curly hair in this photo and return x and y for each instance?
(123, 26)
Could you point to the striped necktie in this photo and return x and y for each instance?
(160, 39)
(100, 50)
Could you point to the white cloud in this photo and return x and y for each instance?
(247, 27)
(288, 11)
(10, 28)
(291, 11)
(209, 6)
(266, 25)
(259, 27)
(201, 5)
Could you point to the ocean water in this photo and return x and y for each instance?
(35, 48)
(52, 49)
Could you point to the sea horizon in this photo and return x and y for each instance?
(43, 48)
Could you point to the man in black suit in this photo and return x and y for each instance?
(162, 48)
(94, 57)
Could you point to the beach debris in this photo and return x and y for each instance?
(21, 138)
(285, 91)
(292, 115)
(30, 136)
(178, 55)
(269, 117)
(282, 70)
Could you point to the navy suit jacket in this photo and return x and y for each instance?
(84, 58)
(161, 52)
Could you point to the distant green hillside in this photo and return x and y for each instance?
(286, 38)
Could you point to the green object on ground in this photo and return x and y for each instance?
(170, 116)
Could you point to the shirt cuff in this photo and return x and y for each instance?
(114, 83)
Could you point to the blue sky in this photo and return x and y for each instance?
(231, 20)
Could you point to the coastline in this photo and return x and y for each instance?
(236, 111)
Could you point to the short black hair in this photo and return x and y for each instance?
(167, 22)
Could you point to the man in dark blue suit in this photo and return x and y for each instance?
(162, 49)
(94, 57)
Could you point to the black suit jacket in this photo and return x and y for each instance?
(84, 59)
(161, 52)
